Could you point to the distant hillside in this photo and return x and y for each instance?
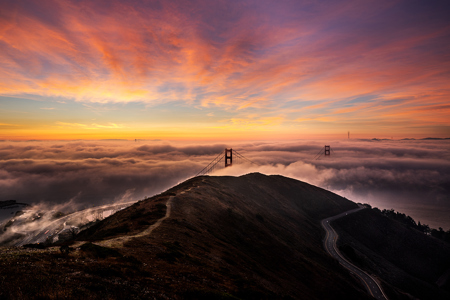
(411, 264)
(248, 237)
(11, 203)
(9, 208)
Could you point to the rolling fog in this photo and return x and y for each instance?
(409, 176)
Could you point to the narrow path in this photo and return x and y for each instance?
(119, 241)
(329, 243)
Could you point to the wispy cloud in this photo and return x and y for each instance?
(90, 126)
(71, 124)
(241, 57)
(111, 57)
(6, 124)
(251, 121)
(110, 125)
(388, 174)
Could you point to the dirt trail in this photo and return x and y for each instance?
(119, 241)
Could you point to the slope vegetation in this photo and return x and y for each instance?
(248, 237)
(409, 262)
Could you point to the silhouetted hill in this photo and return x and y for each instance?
(249, 195)
(248, 237)
(408, 261)
(258, 234)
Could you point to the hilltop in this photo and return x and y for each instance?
(248, 237)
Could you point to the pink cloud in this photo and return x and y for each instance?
(298, 60)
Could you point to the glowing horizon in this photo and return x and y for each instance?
(221, 70)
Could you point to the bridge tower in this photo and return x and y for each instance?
(228, 157)
(327, 150)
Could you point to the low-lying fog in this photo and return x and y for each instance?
(410, 176)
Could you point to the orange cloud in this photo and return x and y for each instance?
(277, 59)
(91, 126)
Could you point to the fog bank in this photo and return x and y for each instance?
(410, 176)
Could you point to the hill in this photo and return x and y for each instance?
(9, 208)
(410, 264)
(248, 237)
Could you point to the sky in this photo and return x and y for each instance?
(410, 176)
(109, 101)
(224, 70)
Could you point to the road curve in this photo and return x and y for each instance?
(329, 243)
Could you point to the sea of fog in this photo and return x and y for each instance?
(410, 176)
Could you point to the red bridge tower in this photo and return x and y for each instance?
(228, 157)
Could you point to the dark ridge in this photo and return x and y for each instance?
(4, 204)
(248, 237)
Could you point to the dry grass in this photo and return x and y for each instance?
(253, 237)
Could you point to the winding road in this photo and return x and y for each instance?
(329, 243)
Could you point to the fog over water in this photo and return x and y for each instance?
(409, 176)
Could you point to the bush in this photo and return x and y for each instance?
(160, 206)
(173, 252)
(260, 218)
(99, 251)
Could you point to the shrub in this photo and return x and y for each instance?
(173, 252)
(99, 251)
(260, 218)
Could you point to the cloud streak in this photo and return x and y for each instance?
(261, 55)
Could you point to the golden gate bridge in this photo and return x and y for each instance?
(229, 157)
(224, 160)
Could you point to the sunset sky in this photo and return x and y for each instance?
(224, 70)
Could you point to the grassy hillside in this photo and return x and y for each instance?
(128, 221)
(251, 237)
(408, 261)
